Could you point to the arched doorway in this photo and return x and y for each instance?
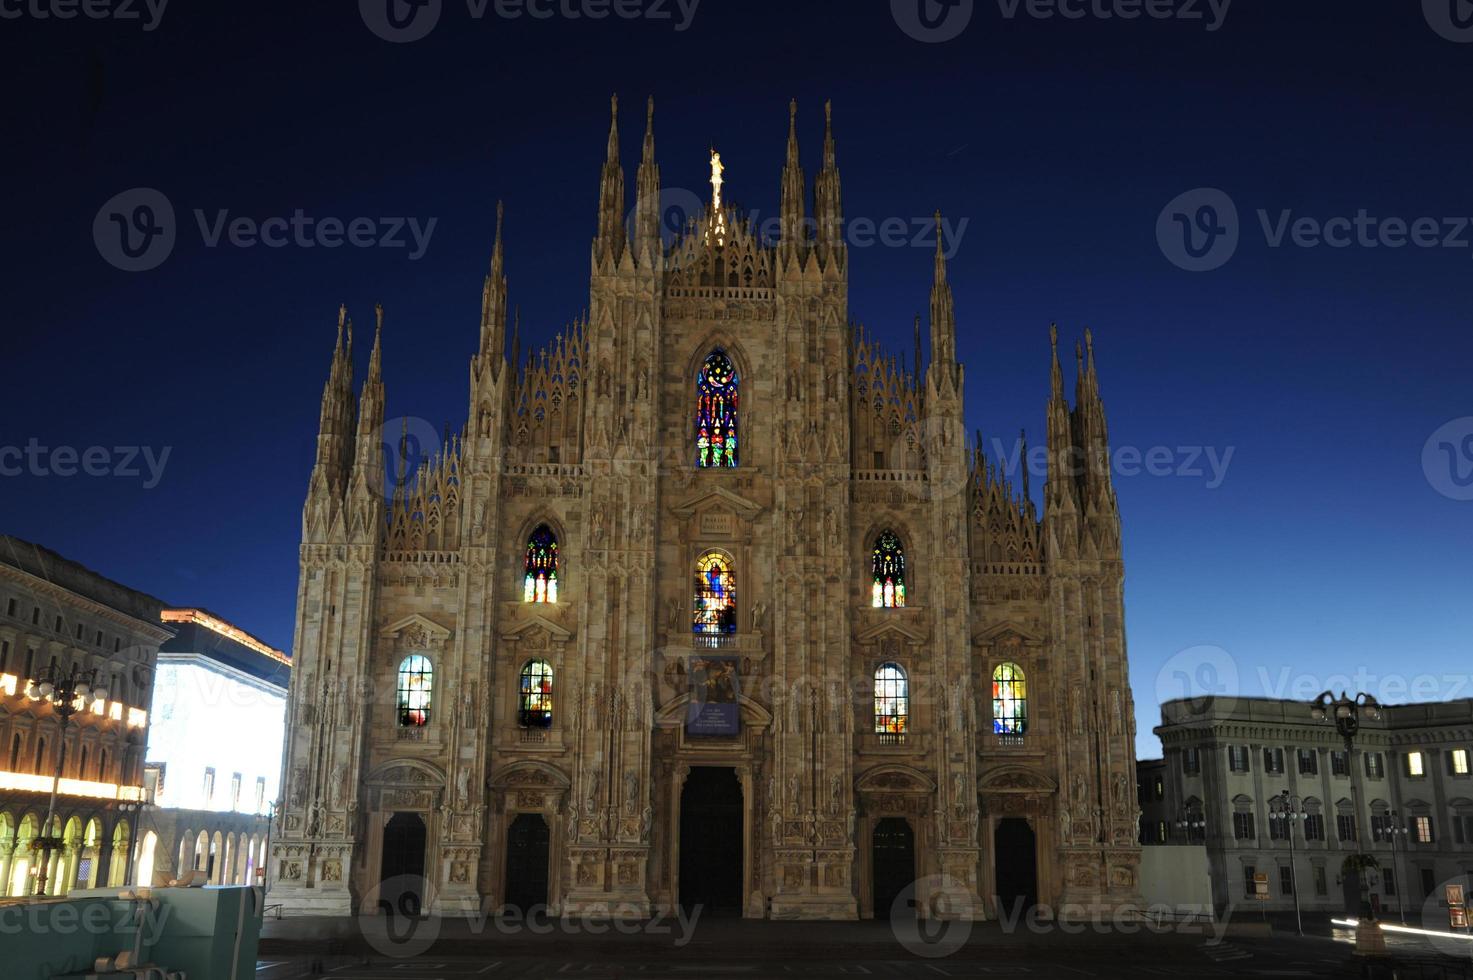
(711, 839)
(893, 860)
(402, 885)
(1015, 857)
(526, 863)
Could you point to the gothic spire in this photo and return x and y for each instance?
(611, 236)
(828, 197)
(493, 305)
(943, 316)
(794, 210)
(336, 416)
(647, 208)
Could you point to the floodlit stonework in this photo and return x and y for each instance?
(760, 565)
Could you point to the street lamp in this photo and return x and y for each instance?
(1192, 825)
(1391, 832)
(67, 691)
(1286, 810)
(1346, 713)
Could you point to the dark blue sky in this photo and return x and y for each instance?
(1326, 549)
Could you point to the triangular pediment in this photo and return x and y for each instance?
(890, 627)
(534, 622)
(1015, 779)
(415, 630)
(717, 497)
(1006, 628)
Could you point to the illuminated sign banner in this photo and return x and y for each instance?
(713, 708)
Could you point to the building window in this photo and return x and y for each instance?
(1339, 764)
(540, 581)
(1273, 761)
(235, 781)
(1463, 828)
(1286, 880)
(1309, 762)
(1191, 760)
(260, 794)
(892, 701)
(35, 615)
(1009, 700)
(888, 567)
(1375, 765)
(1381, 825)
(1321, 886)
(1314, 826)
(1238, 758)
(715, 598)
(1250, 887)
(1278, 826)
(1457, 761)
(534, 705)
(1243, 826)
(10, 607)
(209, 784)
(5, 657)
(15, 753)
(1422, 830)
(1345, 826)
(416, 683)
(716, 412)
(1429, 881)
(1416, 766)
(1388, 881)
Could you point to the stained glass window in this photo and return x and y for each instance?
(535, 704)
(888, 591)
(715, 595)
(416, 679)
(716, 412)
(1009, 700)
(540, 584)
(892, 700)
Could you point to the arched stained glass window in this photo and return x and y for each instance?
(540, 583)
(715, 595)
(716, 412)
(416, 680)
(534, 705)
(888, 591)
(892, 701)
(1009, 700)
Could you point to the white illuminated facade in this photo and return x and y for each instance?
(218, 718)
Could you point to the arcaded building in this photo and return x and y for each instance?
(712, 600)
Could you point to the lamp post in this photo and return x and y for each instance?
(67, 691)
(1346, 712)
(1191, 824)
(1287, 809)
(135, 811)
(1391, 832)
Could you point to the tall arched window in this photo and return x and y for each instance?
(416, 681)
(716, 412)
(540, 584)
(534, 704)
(888, 567)
(1009, 700)
(715, 595)
(892, 702)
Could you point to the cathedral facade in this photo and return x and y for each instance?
(712, 601)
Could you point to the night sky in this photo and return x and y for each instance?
(1332, 545)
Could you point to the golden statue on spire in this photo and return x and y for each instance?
(718, 215)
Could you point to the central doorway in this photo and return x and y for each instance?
(711, 840)
(1015, 857)
(526, 863)
(402, 884)
(893, 859)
